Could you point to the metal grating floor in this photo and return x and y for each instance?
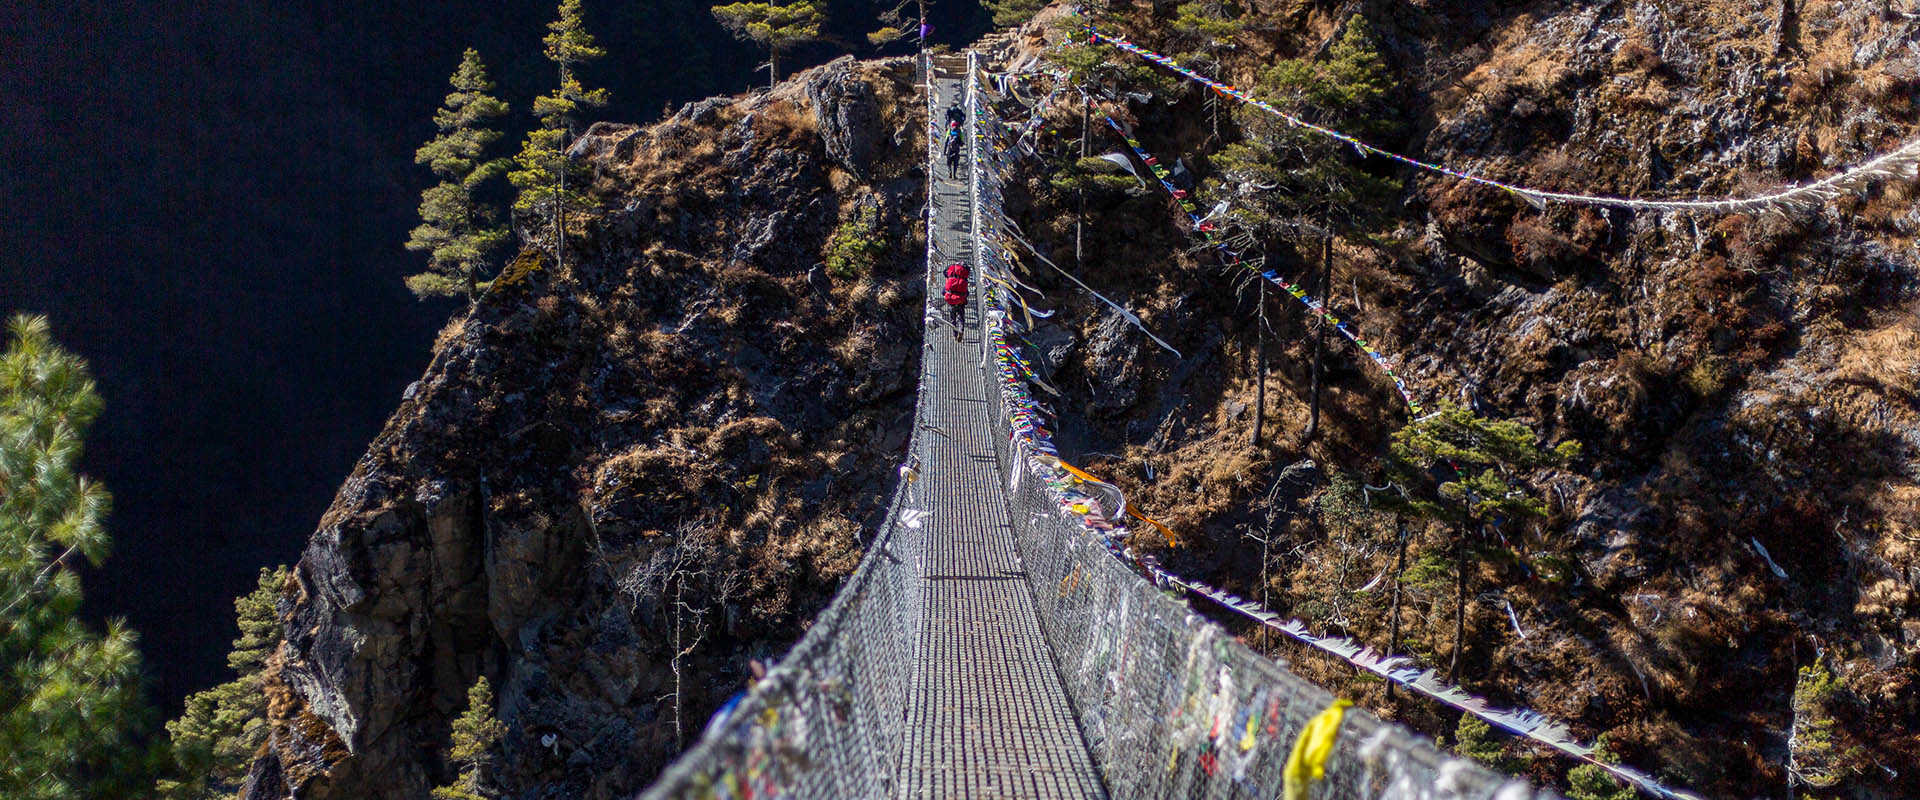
(987, 716)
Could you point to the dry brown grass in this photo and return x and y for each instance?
(1824, 69)
(1636, 56)
(1888, 358)
(787, 119)
(855, 348)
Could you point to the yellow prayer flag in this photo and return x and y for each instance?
(1308, 763)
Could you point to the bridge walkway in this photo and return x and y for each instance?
(986, 713)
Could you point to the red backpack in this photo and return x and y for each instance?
(957, 270)
(955, 299)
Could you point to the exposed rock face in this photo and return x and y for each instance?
(672, 443)
(844, 110)
(1743, 384)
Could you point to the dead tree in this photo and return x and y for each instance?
(689, 580)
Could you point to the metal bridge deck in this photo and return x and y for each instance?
(986, 713)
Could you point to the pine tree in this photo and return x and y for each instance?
(476, 737)
(1300, 174)
(775, 26)
(457, 230)
(1008, 13)
(1485, 458)
(1202, 26)
(894, 23)
(71, 709)
(540, 170)
(216, 736)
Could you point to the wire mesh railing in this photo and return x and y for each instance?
(1171, 705)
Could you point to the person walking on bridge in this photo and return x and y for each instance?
(954, 115)
(956, 296)
(953, 151)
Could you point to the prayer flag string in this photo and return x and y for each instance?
(1901, 163)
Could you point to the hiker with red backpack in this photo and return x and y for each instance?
(956, 296)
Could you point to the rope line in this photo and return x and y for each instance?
(1901, 163)
(1232, 258)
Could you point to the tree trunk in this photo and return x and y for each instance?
(679, 735)
(1399, 569)
(1319, 338)
(773, 68)
(560, 195)
(468, 268)
(1080, 218)
(1260, 370)
(1459, 607)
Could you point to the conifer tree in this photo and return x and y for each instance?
(458, 231)
(775, 26)
(476, 738)
(216, 736)
(1202, 26)
(1308, 186)
(1301, 174)
(1485, 458)
(1008, 13)
(1475, 739)
(1590, 782)
(540, 170)
(71, 709)
(894, 23)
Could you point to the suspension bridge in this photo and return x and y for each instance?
(992, 644)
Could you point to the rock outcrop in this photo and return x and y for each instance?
(623, 477)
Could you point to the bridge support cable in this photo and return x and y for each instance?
(1901, 163)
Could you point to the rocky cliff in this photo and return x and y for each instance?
(624, 476)
(1724, 587)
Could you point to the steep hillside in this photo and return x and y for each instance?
(1731, 563)
(627, 474)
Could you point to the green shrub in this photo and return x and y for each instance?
(1475, 739)
(1590, 782)
(856, 245)
(1814, 758)
(1706, 377)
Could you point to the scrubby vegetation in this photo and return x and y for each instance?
(856, 244)
(1743, 480)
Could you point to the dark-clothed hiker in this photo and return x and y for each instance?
(955, 293)
(954, 115)
(953, 153)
